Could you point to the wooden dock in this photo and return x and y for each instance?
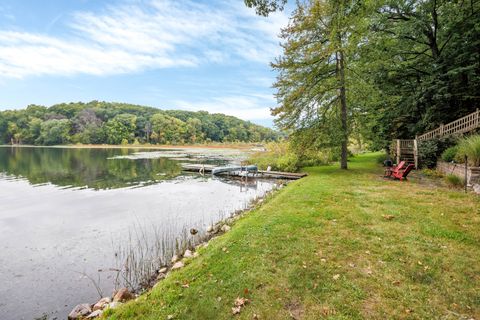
(207, 168)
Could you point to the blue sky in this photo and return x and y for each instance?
(170, 54)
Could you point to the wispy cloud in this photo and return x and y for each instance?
(247, 106)
(134, 36)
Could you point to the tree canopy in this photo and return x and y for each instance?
(374, 70)
(98, 122)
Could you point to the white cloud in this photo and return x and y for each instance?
(248, 107)
(135, 36)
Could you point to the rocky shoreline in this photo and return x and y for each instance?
(91, 311)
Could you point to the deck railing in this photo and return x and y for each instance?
(407, 150)
(459, 126)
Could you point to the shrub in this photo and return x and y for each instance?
(280, 156)
(454, 181)
(429, 151)
(449, 154)
(471, 148)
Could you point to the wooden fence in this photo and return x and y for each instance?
(459, 126)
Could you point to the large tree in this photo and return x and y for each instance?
(313, 73)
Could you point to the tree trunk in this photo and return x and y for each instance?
(343, 109)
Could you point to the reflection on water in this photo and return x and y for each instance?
(84, 167)
(52, 235)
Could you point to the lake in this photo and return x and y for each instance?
(70, 216)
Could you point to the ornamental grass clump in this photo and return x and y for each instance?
(469, 147)
(454, 181)
(449, 154)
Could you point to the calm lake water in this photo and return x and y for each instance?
(69, 216)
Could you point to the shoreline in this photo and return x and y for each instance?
(177, 262)
(327, 246)
(246, 146)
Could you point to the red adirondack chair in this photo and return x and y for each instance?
(389, 171)
(403, 173)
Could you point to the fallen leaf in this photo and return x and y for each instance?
(236, 310)
(245, 291)
(185, 285)
(219, 299)
(336, 277)
(240, 302)
(388, 217)
(396, 282)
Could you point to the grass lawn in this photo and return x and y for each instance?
(337, 245)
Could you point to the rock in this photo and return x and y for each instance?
(210, 228)
(163, 270)
(94, 314)
(225, 228)
(476, 188)
(102, 303)
(161, 276)
(114, 304)
(188, 254)
(193, 231)
(175, 258)
(178, 265)
(123, 295)
(79, 311)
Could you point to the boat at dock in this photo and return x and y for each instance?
(251, 171)
(234, 169)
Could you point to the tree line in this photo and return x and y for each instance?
(98, 122)
(369, 71)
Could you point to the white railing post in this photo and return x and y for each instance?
(477, 120)
(415, 152)
(398, 151)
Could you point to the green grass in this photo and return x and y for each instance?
(337, 245)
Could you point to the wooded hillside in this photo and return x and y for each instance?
(120, 123)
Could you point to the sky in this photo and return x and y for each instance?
(171, 54)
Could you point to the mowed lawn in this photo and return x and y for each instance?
(335, 245)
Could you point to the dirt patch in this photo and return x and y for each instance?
(295, 309)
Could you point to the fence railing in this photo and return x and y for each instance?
(462, 125)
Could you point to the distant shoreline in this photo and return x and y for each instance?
(241, 146)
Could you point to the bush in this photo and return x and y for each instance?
(449, 154)
(280, 157)
(429, 151)
(454, 181)
(471, 148)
